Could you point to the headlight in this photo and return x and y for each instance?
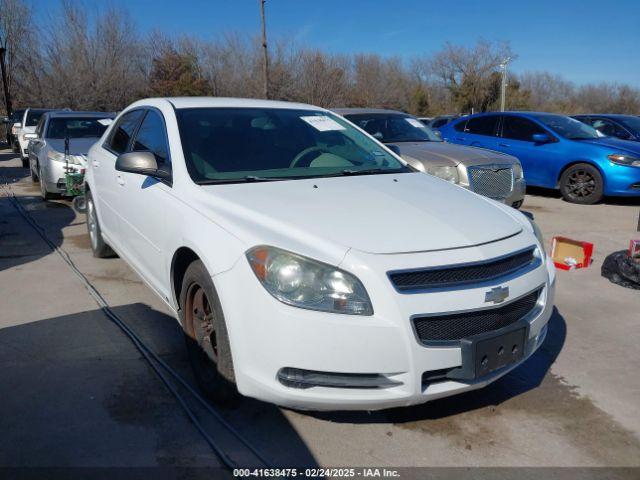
(450, 174)
(30, 136)
(518, 174)
(55, 156)
(538, 234)
(627, 160)
(305, 283)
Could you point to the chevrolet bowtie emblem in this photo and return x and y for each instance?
(496, 295)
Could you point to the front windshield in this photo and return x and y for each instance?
(569, 127)
(392, 128)
(78, 127)
(33, 117)
(243, 144)
(632, 123)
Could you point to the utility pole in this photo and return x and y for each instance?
(265, 52)
(503, 86)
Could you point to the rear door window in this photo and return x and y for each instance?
(484, 125)
(520, 128)
(123, 131)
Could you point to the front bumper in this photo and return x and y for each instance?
(267, 336)
(622, 180)
(53, 174)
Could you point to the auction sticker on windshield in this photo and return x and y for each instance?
(322, 123)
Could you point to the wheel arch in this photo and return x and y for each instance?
(182, 258)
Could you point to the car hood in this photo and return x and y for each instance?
(447, 154)
(391, 213)
(77, 146)
(615, 143)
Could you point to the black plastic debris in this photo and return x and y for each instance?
(620, 269)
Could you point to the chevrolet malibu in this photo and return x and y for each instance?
(308, 264)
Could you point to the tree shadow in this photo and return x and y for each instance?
(526, 377)
(76, 392)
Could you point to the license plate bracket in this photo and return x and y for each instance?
(481, 354)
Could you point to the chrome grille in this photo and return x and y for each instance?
(493, 181)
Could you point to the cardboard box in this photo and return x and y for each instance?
(568, 254)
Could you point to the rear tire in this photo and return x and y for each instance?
(34, 177)
(99, 248)
(206, 336)
(582, 183)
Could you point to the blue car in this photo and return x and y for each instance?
(624, 127)
(556, 151)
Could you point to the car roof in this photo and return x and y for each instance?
(606, 115)
(222, 102)
(358, 111)
(75, 114)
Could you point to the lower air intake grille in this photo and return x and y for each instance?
(456, 326)
(491, 181)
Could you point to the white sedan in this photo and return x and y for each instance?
(308, 264)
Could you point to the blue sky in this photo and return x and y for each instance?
(585, 41)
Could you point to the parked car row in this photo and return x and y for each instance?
(295, 244)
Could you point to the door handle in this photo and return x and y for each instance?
(459, 138)
(120, 179)
(504, 145)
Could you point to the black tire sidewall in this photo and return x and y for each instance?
(102, 250)
(598, 193)
(218, 386)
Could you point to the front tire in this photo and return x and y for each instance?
(99, 248)
(46, 195)
(25, 162)
(206, 336)
(582, 183)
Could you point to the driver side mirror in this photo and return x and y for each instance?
(4, 120)
(541, 138)
(141, 163)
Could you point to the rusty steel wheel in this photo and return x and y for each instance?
(206, 336)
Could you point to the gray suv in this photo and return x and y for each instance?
(492, 174)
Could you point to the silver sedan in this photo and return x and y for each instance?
(492, 174)
(50, 160)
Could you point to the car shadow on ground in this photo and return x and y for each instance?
(11, 174)
(553, 193)
(76, 392)
(526, 377)
(18, 244)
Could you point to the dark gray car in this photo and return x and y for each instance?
(492, 174)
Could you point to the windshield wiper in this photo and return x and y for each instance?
(246, 179)
(370, 171)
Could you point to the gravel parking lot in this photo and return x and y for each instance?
(75, 391)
